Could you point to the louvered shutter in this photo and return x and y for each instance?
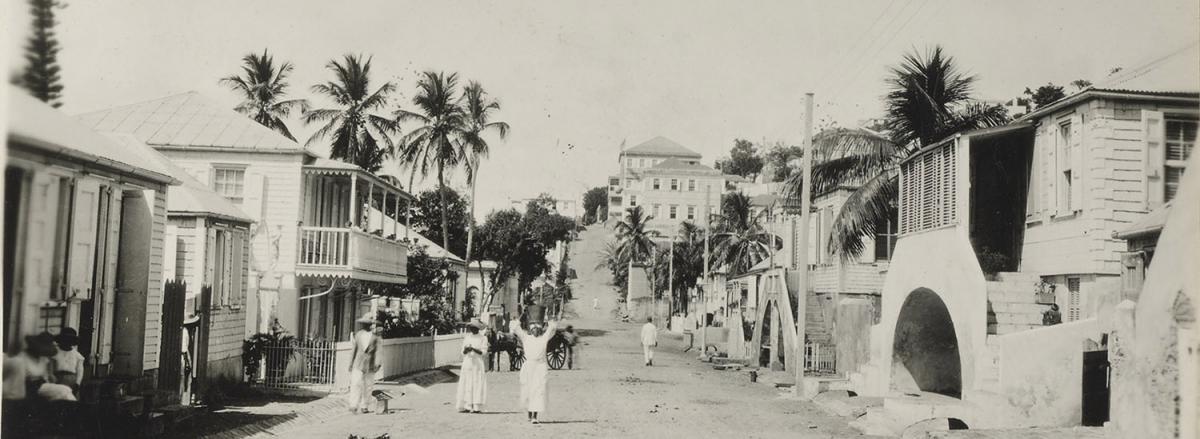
(1078, 172)
(110, 279)
(239, 267)
(827, 221)
(82, 250)
(1153, 136)
(210, 263)
(1049, 199)
(814, 232)
(227, 268)
(39, 245)
(1033, 192)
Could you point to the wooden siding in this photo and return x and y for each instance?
(1113, 193)
(154, 292)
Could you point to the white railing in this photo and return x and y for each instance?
(819, 358)
(351, 249)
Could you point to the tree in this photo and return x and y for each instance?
(437, 143)
(1081, 84)
(427, 280)
(519, 244)
(1045, 95)
(636, 242)
(740, 241)
(778, 156)
(41, 76)
(359, 136)
(688, 263)
(262, 87)
(478, 112)
(617, 264)
(427, 219)
(743, 160)
(928, 101)
(595, 200)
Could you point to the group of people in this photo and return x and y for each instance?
(472, 383)
(48, 368)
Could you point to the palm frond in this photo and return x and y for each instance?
(870, 205)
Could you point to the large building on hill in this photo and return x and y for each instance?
(668, 182)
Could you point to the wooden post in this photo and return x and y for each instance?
(707, 281)
(805, 205)
(353, 200)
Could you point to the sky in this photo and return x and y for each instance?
(576, 79)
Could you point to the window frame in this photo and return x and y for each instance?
(1175, 165)
(219, 169)
(674, 184)
(691, 185)
(691, 212)
(673, 211)
(657, 184)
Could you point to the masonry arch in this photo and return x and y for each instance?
(925, 354)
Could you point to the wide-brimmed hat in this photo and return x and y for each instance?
(68, 336)
(367, 318)
(477, 324)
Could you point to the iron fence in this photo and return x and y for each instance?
(819, 358)
(298, 365)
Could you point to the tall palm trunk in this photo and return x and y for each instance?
(442, 196)
(471, 219)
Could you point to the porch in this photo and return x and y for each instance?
(350, 223)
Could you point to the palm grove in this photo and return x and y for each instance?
(928, 99)
(445, 129)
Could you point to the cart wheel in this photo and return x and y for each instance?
(516, 360)
(557, 357)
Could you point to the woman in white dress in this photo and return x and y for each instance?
(472, 383)
(535, 370)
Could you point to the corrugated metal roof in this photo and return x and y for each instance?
(191, 197)
(189, 120)
(33, 123)
(662, 146)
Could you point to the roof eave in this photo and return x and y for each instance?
(85, 157)
(1094, 93)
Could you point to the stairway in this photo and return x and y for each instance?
(1012, 303)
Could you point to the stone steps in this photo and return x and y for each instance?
(1013, 303)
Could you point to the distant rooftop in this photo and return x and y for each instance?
(189, 120)
(662, 146)
(673, 164)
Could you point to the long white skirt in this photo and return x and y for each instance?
(534, 385)
(472, 384)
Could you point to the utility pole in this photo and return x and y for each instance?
(671, 281)
(706, 284)
(805, 205)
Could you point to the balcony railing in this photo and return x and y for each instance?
(332, 251)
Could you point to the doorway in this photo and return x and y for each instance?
(1096, 391)
(925, 353)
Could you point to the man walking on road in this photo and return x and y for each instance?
(649, 340)
(595, 303)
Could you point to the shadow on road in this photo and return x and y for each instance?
(580, 421)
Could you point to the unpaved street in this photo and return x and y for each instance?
(612, 395)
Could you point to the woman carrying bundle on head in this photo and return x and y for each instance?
(535, 371)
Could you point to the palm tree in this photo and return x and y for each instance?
(478, 109)
(740, 240)
(437, 142)
(929, 99)
(263, 87)
(679, 267)
(637, 242)
(358, 135)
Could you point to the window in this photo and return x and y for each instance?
(628, 163)
(885, 240)
(614, 182)
(1073, 299)
(1066, 194)
(674, 184)
(673, 211)
(628, 182)
(1180, 138)
(230, 183)
(656, 184)
(632, 200)
(691, 213)
(691, 185)
(657, 210)
(641, 163)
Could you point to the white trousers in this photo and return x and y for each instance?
(648, 353)
(360, 389)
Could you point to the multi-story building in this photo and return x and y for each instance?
(326, 232)
(999, 225)
(669, 182)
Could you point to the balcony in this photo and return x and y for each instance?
(349, 224)
(352, 253)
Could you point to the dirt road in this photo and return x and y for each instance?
(611, 395)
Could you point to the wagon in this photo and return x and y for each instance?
(556, 353)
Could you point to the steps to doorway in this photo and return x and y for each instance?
(1012, 303)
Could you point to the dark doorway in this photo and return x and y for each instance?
(764, 353)
(1095, 388)
(1000, 181)
(14, 209)
(925, 348)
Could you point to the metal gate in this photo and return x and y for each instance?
(170, 351)
(1095, 388)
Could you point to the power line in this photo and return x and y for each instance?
(854, 77)
(845, 55)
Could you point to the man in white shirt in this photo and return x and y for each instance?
(649, 340)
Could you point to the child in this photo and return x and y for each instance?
(68, 363)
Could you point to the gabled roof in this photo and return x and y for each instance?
(674, 164)
(189, 120)
(1175, 75)
(190, 198)
(1148, 224)
(661, 146)
(432, 249)
(34, 124)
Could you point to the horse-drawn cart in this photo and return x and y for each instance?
(556, 351)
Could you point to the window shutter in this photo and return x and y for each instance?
(814, 232)
(1153, 136)
(255, 193)
(210, 263)
(227, 269)
(827, 236)
(1077, 168)
(1049, 199)
(40, 232)
(82, 251)
(239, 268)
(110, 279)
(1034, 190)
